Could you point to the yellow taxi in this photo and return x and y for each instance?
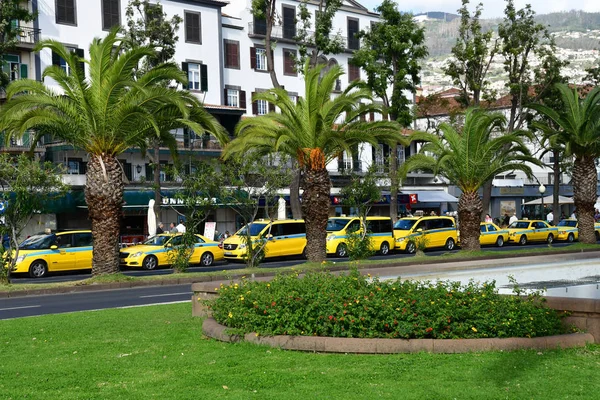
(568, 230)
(523, 231)
(380, 230)
(436, 231)
(491, 234)
(283, 238)
(53, 252)
(159, 250)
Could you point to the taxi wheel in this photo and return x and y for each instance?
(411, 248)
(449, 244)
(150, 262)
(342, 250)
(304, 256)
(206, 259)
(550, 239)
(385, 248)
(571, 238)
(500, 241)
(523, 240)
(38, 269)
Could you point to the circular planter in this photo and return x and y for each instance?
(320, 344)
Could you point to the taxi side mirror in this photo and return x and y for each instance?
(53, 247)
(420, 230)
(168, 245)
(269, 236)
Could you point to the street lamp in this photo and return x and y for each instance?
(542, 190)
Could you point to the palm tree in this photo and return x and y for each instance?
(469, 158)
(578, 122)
(314, 131)
(104, 115)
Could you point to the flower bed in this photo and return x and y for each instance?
(355, 306)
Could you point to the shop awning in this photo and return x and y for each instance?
(549, 200)
(432, 196)
(507, 182)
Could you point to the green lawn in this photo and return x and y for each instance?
(159, 352)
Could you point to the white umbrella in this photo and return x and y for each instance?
(548, 200)
(281, 208)
(151, 219)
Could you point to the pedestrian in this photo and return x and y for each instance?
(550, 218)
(160, 229)
(172, 228)
(181, 227)
(226, 235)
(574, 214)
(512, 219)
(488, 218)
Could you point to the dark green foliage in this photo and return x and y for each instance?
(360, 246)
(353, 305)
(318, 39)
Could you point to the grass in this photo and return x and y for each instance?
(307, 267)
(159, 352)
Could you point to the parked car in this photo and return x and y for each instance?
(491, 234)
(523, 231)
(568, 230)
(283, 238)
(52, 252)
(436, 231)
(159, 250)
(380, 230)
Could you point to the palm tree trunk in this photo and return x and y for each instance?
(315, 206)
(104, 197)
(585, 183)
(469, 217)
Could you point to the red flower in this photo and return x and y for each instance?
(330, 317)
(273, 304)
(428, 330)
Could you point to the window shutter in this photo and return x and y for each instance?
(82, 168)
(254, 104)
(23, 71)
(225, 101)
(253, 57)
(81, 65)
(149, 172)
(203, 77)
(372, 116)
(243, 99)
(55, 59)
(271, 107)
(184, 67)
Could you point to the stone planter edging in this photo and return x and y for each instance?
(213, 329)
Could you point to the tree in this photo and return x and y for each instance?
(314, 131)
(390, 56)
(152, 28)
(320, 41)
(472, 56)
(265, 12)
(104, 115)
(578, 130)
(470, 157)
(27, 187)
(12, 12)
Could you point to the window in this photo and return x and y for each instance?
(232, 54)
(197, 76)
(289, 62)
(353, 42)
(293, 97)
(110, 14)
(76, 166)
(261, 59)
(65, 12)
(59, 61)
(353, 72)
(262, 107)
(260, 26)
(65, 240)
(192, 28)
(235, 97)
(289, 22)
(13, 68)
(83, 239)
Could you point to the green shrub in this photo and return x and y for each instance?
(359, 247)
(322, 304)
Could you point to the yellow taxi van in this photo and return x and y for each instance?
(380, 230)
(283, 238)
(53, 252)
(436, 231)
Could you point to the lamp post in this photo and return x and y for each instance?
(542, 190)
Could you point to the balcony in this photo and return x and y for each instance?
(28, 37)
(285, 33)
(21, 145)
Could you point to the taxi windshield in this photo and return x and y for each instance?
(157, 240)
(336, 224)
(519, 225)
(255, 229)
(37, 242)
(566, 222)
(404, 224)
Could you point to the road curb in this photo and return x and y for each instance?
(584, 254)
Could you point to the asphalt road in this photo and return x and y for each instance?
(227, 266)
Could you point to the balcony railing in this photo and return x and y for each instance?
(30, 36)
(280, 32)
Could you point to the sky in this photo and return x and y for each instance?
(491, 8)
